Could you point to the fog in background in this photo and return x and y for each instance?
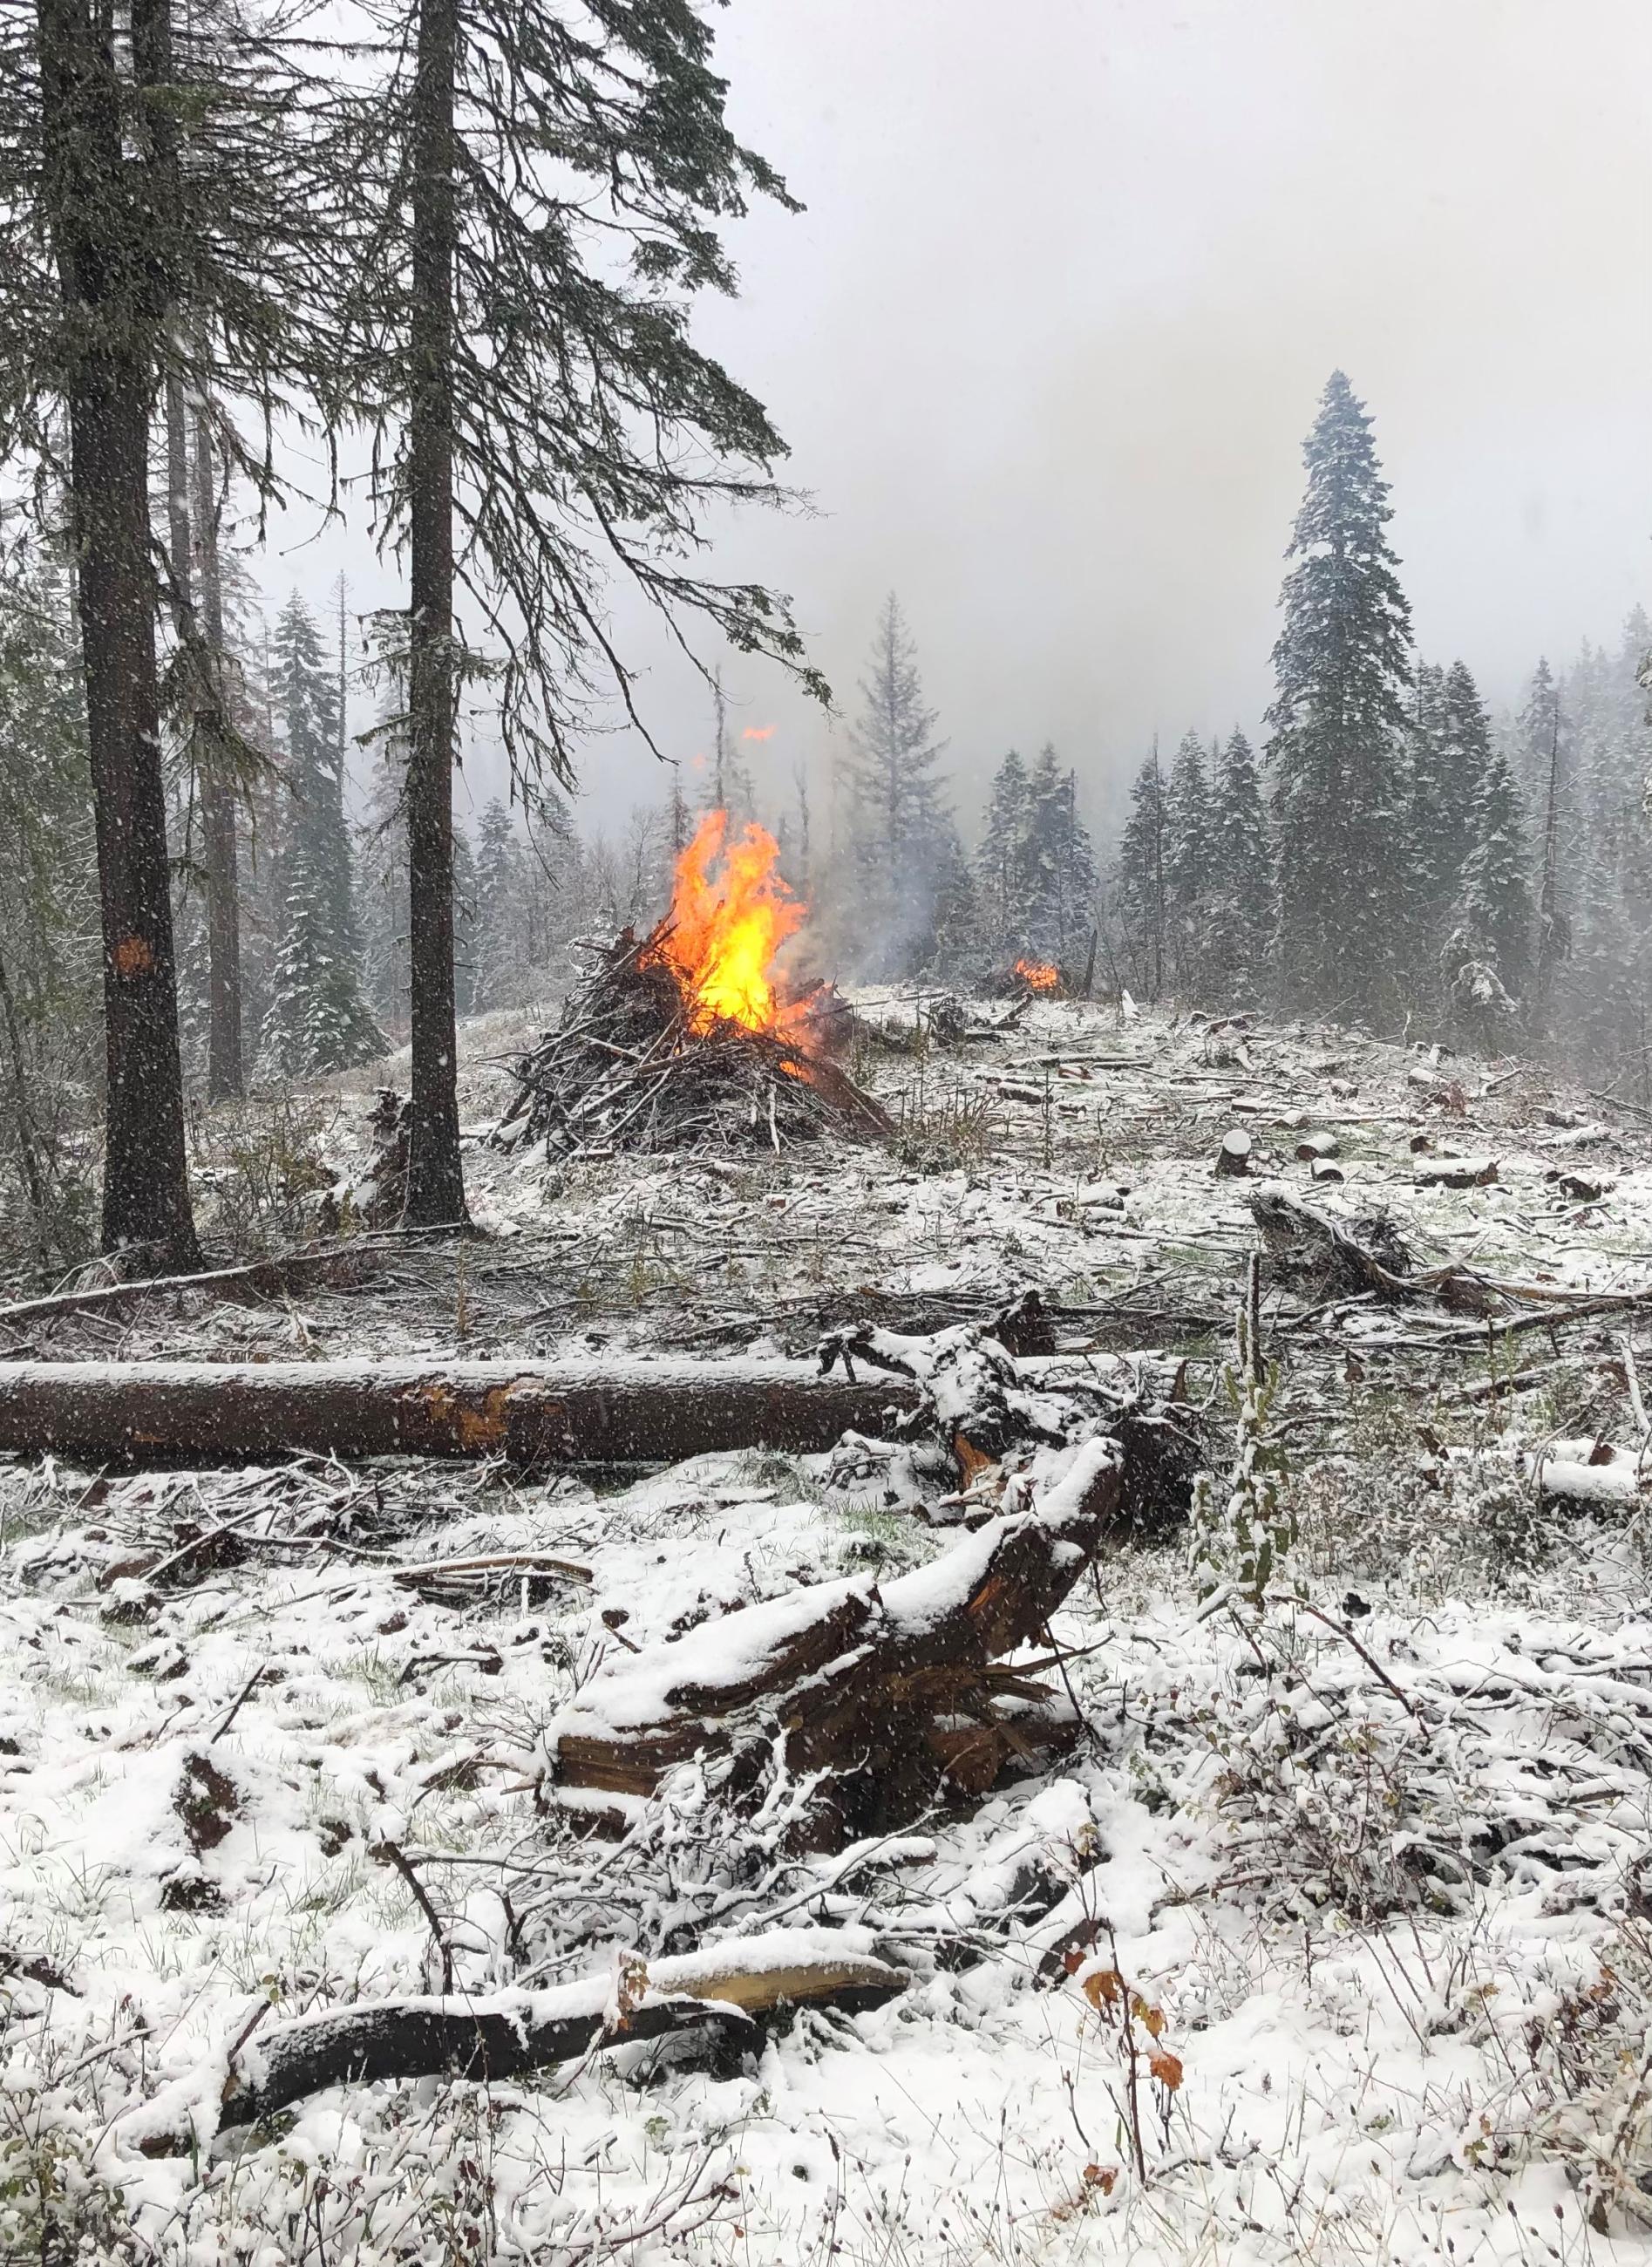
(1047, 340)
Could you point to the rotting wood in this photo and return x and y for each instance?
(895, 1694)
(505, 2035)
(642, 1411)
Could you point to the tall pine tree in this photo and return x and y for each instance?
(318, 1019)
(1060, 866)
(1240, 919)
(1337, 727)
(1189, 865)
(1140, 880)
(1001, 862)
(902, 839)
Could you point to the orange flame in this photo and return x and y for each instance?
(724, 928)
(1038, 975)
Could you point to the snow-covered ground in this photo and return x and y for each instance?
(1330, 1941)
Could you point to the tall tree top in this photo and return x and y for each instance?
(1347, 624)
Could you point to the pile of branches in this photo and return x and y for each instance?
(626, 1069)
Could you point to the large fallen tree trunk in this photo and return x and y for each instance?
(618, 1412)
(504, 2034)
(893, 1694)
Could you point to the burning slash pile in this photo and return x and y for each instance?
(686, 1037)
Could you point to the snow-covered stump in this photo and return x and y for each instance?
(889, 1696)
(1233, 1158)
(652, 1410)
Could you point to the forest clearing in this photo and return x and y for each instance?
(1319, 1926)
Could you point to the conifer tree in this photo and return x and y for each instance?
(318, 1019)
(1540, 734)
(1060, 866)
(1337, 724)
(1496, 889)
(464, 911)
(499, 938)
(1240, 922)
(899, 822)
(1140, 879)
(1189, 864)
(546, 196)
(1001, 862)
(48, 921)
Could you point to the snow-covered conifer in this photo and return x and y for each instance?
(1338, 723)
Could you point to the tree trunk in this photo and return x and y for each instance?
(225, 1071)
(654, 1412)
(436, 1181)
(103, 224)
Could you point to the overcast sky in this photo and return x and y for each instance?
(1048, 339)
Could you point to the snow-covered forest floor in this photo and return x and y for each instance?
(1330, 1940)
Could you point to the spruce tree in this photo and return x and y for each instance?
(500, 937)
(49, 920)
(900, 829)
(1496, 889)
(1139, 881)
(1337, 726)
(1001, 862)
(1241, 921)
(1189, 865)
(318, 1019)
(1060, 865)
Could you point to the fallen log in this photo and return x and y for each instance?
(505, 2033)
(253, 1278)
(895, 1694)
(621, 1410)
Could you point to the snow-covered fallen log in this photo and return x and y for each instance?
(503, 2034)
(620, 1411)
(889, 1694)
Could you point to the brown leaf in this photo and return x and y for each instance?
(1166, 2068)
(1103, 1988)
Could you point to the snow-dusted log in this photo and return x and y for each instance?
(502, 2035)
(896, 1694)
(621, 1410)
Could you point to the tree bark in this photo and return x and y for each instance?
(436, 1181)
(656, 1412)
(115, 289)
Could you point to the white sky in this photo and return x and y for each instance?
(1072, 275)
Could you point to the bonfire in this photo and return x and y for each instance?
(692, 1036)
